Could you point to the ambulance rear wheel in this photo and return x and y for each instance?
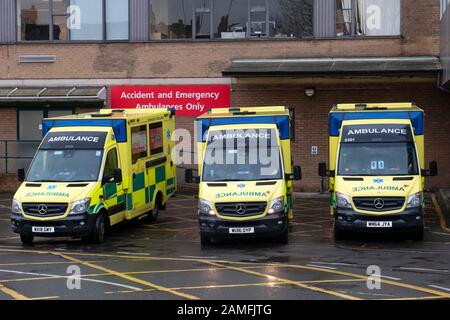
(26, 240)
(153, 214)
(98, 232)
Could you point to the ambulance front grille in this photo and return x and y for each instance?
(241, 209)
(379, 204)
(44, 209)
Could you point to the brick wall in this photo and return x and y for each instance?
(420, 36)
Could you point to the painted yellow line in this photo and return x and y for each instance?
(45, 298)
(144, 258)
(438, 210)
(6, 220)
(417, 298)
(286, 281)
(38, 263)
(219, 286)
(6, 207)
(383, 280)
(126, 277)
(91, 275)
(12, 293)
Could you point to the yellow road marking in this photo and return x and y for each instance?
(45, 298)
(12, 293)
(394, 283)
(126, 277)
(286, 281)
(383, 280)
(9, 238)
(417, 298)
(438, 210)
(7, 220)
(219, 286)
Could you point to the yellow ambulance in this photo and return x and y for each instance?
(377, 168)
(95, 170)
(246, 173)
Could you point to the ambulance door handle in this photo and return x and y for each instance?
(171, 163)
(134, 175)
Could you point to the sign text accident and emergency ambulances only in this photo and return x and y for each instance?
(187, 100)
(377, 168)
(95, 170)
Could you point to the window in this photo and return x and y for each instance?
(156, 138)
(79, 20)
(138, 143)
(110, 164)
(87, 23)
(29, 122)
(368, 17)
(203, 17)
(171, 19)
(230, 19)
(117, 20)
(33, 19)
(291, 18)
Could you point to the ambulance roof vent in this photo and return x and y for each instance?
(100, 115)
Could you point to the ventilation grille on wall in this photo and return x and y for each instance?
(37, 59)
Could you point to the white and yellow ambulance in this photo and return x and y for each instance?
(246, 173)
(95, 170)
(377, 168)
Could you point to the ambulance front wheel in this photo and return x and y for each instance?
(418, 234)
(26, 240)
(205, 239)
(98, 232)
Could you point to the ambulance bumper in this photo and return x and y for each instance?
(269, 226)
(409, 220)
(73, 226)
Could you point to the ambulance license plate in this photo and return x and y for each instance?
(43, 229)
(247, 230)
(379, 224)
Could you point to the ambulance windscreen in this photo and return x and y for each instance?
(68, 157)
(242, 155)
(377, 150)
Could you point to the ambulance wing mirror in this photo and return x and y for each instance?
(189, 176)
(21, 175)
(117, 173)
(324, 172)
(433, 171)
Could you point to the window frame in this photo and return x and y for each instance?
(51, 16)
(44, 111)
(141, 154)
(353, 24)
(159, 150)
(106, 161)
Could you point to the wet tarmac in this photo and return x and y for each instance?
(164, 260)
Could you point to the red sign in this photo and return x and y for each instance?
(187, 100)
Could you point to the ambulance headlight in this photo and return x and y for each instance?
(80, 206)
(16, 207)
(206, 208)
(343, 201)
(276, 205)
(415, 200)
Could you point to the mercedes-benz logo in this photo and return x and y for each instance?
(378, 203)
(42, 209)
(241, 208)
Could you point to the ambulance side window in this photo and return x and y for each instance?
(156, 138)
(138, 143)
(110, 164)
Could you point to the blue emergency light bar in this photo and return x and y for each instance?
(336, 119)
(282, 123)
(118, 125)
